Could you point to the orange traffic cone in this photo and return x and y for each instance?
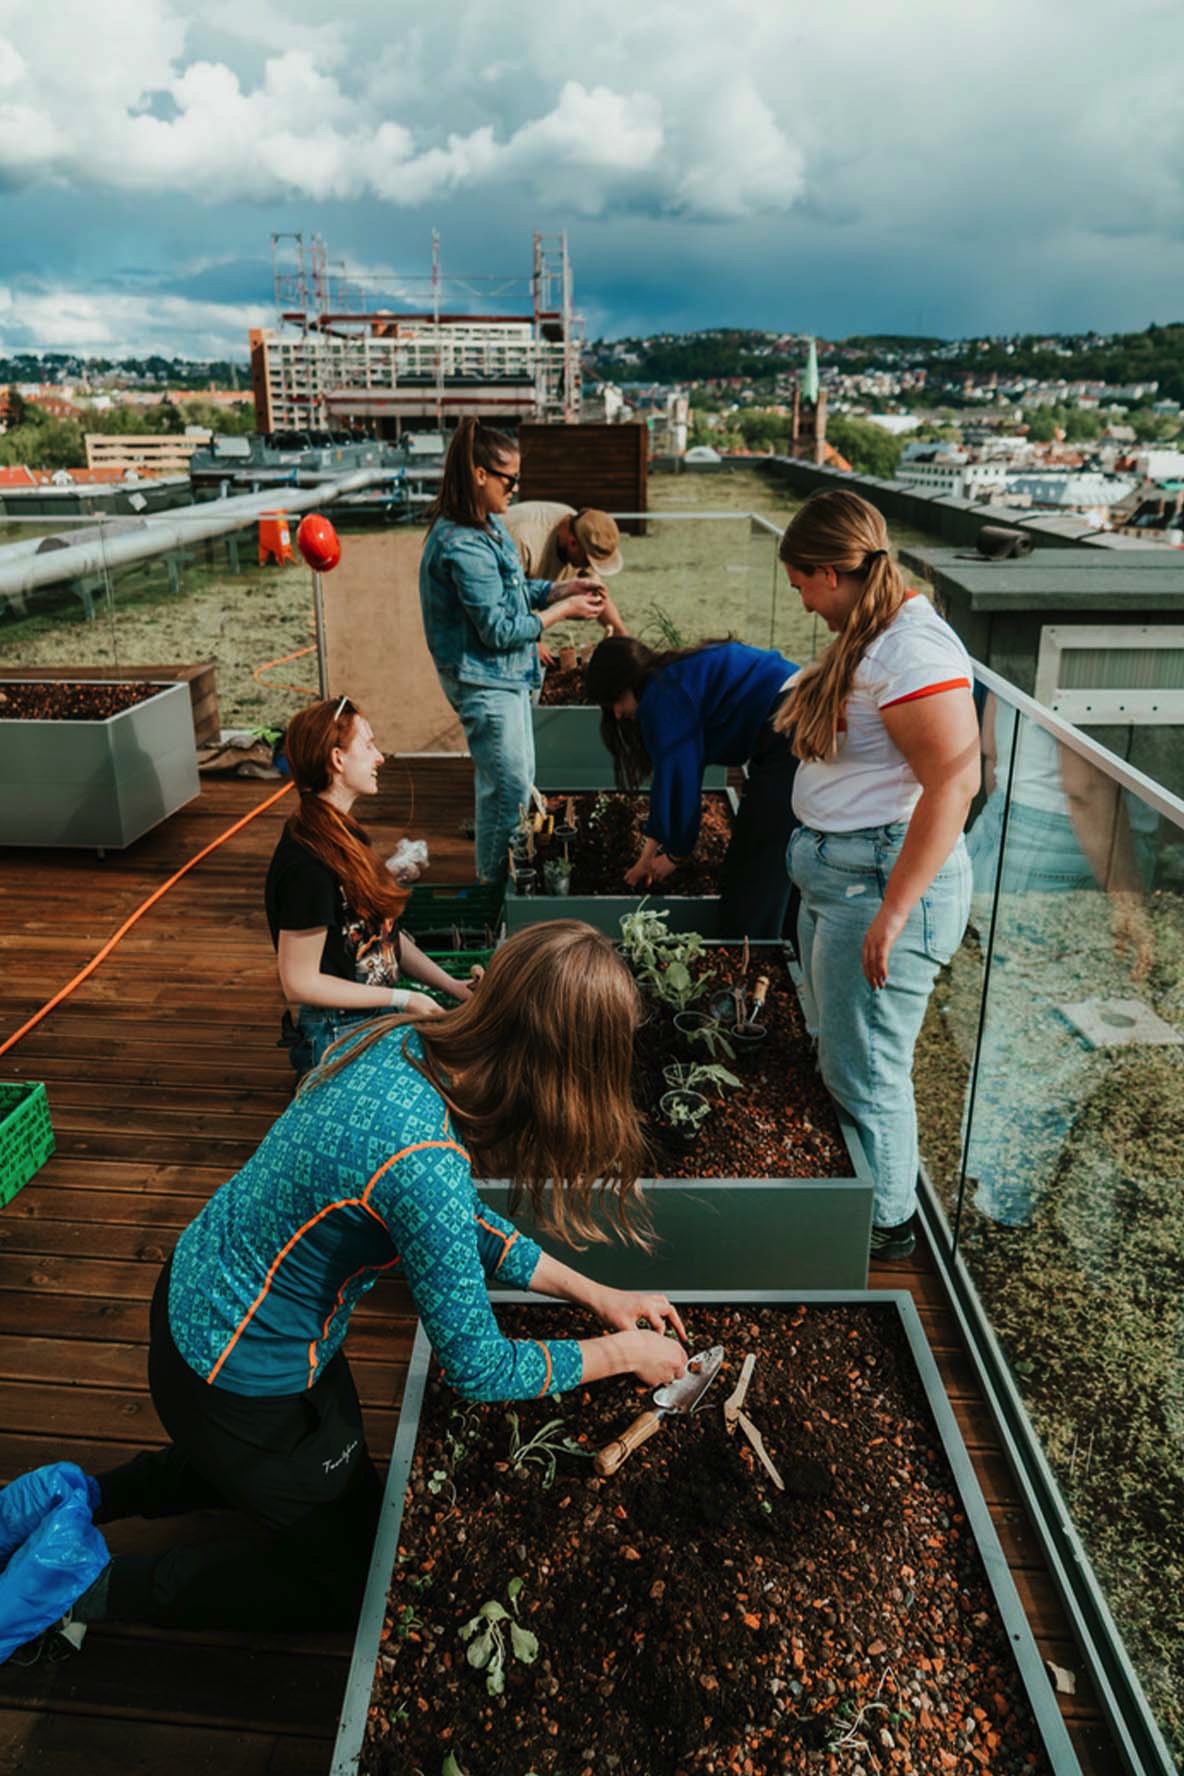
(275, 542)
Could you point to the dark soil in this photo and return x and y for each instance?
(563, 689)
(70, 702)
(690, 1617)
(609, 839)
(781, 1121)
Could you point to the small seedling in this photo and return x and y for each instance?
(543, 1449)
(406, 1622)
(486, 1634)
(683, 1113)
(662, 626)
(711, 1037)
(694, 1076)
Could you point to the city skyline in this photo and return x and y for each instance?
(987, 171)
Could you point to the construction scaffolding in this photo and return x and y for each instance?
(372, 351)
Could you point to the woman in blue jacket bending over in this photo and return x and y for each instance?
(482, 619)
(666, 716)
(370, 1171)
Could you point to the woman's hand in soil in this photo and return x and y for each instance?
(623, 1309)
(655, 1360)
(652, 866)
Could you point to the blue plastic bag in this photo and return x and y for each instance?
(50, 1551)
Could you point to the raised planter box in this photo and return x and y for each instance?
(201, 677)
(683, 1611)
(686, 912)
(99, 784)
(569, 753)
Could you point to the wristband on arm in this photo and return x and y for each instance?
(400, 998)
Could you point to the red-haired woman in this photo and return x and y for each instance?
(332, 905)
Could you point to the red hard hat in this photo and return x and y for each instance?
(318, 542)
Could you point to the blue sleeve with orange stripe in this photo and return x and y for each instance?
(449, 1243)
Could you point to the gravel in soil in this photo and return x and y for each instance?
(779, 1123)
(610, 837)
(690, 1618)
(70, 702)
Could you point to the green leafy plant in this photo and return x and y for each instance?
(542, 1450)
(487, 1632)
(645, 940)
(661, 625)
(711, 1036)
(694, 1075)
(686, 1110)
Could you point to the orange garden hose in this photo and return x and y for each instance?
(279, 684)
(134, 919)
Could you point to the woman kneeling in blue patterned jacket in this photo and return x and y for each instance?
(370, 1170)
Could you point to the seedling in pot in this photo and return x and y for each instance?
(557, 874)
(695, 1075)
(543, 1449)
(748, 1036)
(686, 1112)
(565, 830)
(699, 1031)
(486, 1634)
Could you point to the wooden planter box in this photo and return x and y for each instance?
(97, 784)
(1014, 1661)
(569, 753)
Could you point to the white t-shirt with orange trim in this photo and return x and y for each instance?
(869, 782)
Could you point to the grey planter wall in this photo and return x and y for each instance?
(569, 753)
(686, 912)
(97, 784)
(1057, 1743)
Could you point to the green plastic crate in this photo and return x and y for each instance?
(26, 1135)
(456, 963)
(470, 910)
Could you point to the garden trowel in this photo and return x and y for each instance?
(680, 1397)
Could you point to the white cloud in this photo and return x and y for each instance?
(314, 126)
(117, 325)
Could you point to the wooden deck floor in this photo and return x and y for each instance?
(162, 1076)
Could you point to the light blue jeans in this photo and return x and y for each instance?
(316, 1027)
(866, 1038)
(500, 734)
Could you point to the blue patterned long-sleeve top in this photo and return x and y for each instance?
(360, 1175)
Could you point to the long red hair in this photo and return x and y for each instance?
(340, 842)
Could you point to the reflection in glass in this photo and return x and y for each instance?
(1071, 1220)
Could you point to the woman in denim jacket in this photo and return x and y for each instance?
(885, 728)
(482, 619)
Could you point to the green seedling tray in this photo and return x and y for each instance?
(26, 1135)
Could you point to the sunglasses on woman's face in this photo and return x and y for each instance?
(509, 482)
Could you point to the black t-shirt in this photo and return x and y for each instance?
(303, 893)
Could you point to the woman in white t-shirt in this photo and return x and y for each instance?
(885, 727)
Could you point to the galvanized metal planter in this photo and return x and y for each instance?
(1058, 1746)
(99, 784)
(686, 912)
(569, 753)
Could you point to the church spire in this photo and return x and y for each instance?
(810, 374)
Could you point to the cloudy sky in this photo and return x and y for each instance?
(937, 166)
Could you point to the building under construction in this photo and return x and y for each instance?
(377, 353)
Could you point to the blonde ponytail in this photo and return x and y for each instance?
(840, 530)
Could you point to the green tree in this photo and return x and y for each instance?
(19, 412)
(1082, 425)
(868, 448)
(49, 444)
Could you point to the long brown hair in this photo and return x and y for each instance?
(838, 529)
(537, 1070)
(623, 663)
(473, 446)
(340, 842)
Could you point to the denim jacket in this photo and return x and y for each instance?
(479, 609)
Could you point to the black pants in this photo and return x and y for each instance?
(296, 1464)
(754, 883)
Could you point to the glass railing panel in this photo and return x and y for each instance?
(64, 621)
(1070, 1221)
